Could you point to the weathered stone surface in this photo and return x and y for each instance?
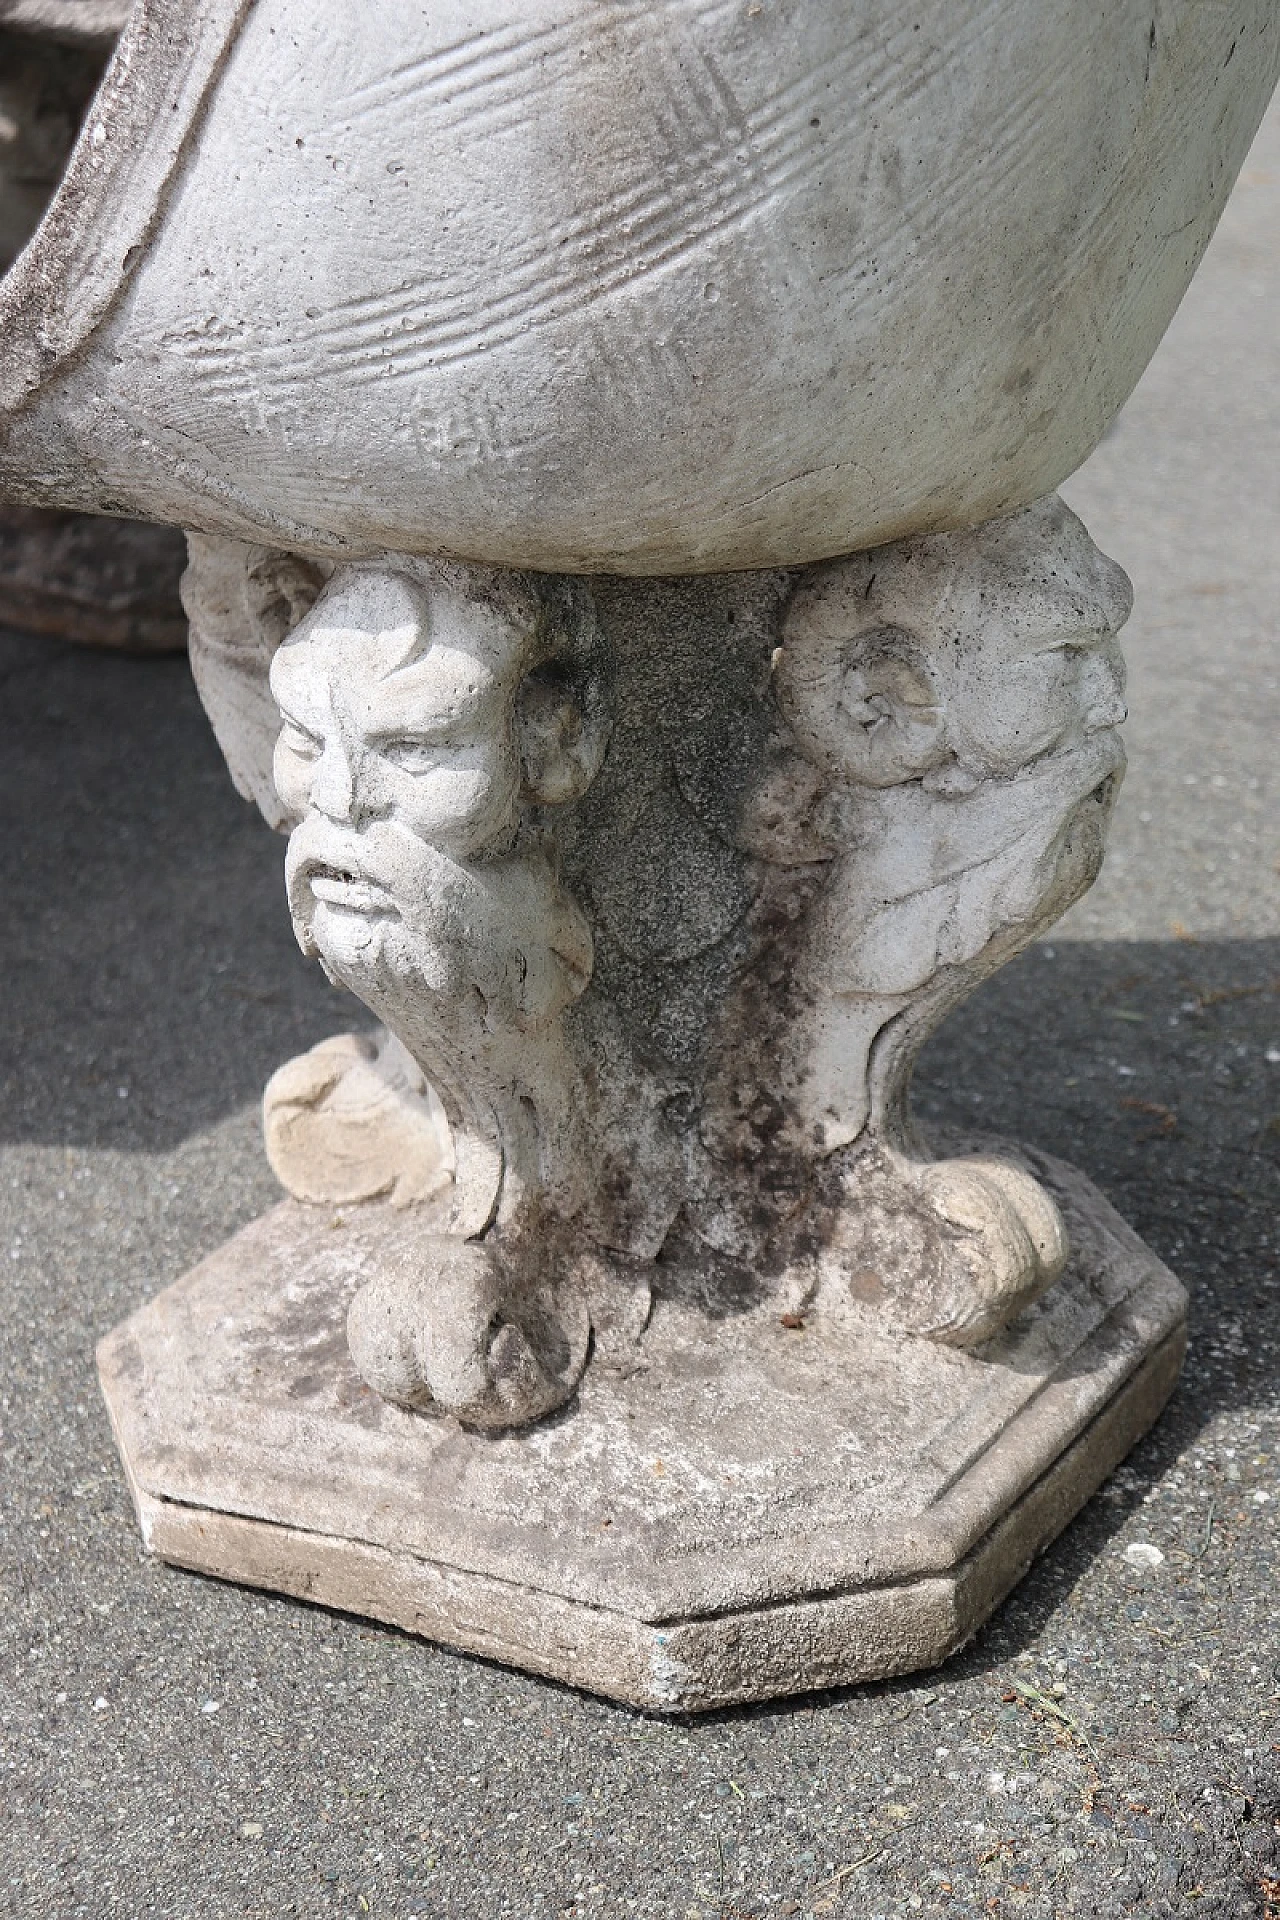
(451, 338)
(44, 91)
(626, 289)
(241, 602)
(733, 1505)
(97, 581)
(664, 930)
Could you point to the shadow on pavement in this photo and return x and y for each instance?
(146, 943)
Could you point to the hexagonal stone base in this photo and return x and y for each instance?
(729, 1509)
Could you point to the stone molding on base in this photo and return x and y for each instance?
(578, 1550)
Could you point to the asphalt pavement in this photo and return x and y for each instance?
(1109, 1744)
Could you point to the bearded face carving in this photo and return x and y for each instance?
(426, 720)
(431, 716)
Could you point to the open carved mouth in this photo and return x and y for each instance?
(346, 890)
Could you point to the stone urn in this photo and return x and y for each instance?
(618, 448)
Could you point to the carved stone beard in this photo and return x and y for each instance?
(980, 916)
(940, 892)
(471, 966)
(936, 892)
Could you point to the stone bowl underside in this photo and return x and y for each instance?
(588, 286)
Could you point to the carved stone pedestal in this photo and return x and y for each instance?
(622, 1324)
(742, 1500)
(618, 446)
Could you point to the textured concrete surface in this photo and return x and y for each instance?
(1107, 1745)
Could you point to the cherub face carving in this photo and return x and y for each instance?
(423, 716)
(957, 658)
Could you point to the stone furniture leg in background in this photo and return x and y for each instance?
(667, 1356)
(94, 581)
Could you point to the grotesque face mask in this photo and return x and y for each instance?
(899, 666)
(422, 718)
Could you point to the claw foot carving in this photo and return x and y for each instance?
(447, 1327)
(951, 1249)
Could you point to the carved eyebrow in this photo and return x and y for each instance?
(290, 677)
(1081, 636)
(1084, 640)
(391, 711)
(431, 734)
(290, 720)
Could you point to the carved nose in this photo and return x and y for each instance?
(333, 784)
(1108, 710)
(1105, 704)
